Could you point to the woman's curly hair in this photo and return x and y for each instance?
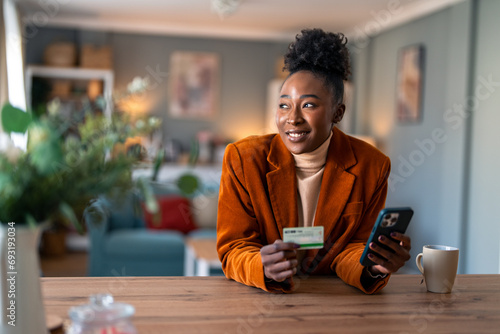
(322, 53)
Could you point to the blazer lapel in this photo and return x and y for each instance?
(282, 185)
(337, 183)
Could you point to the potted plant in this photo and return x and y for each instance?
(60, 170)
(66, 164)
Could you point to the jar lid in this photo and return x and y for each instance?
(101, 309)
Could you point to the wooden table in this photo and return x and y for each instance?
(320, 305)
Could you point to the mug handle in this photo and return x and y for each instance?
(419, 262)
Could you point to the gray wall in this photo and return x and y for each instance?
(483, 230)
(246, 68)
(452, 183)
(428, 158)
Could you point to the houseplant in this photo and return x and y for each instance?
(67, 163)
(63, 169)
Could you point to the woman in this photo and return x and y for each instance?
(312, 174)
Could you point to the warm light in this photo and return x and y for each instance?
(381, 127)
(369, 139)
(135, 105)
(245, 130)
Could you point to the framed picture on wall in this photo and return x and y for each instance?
(410, 79)
(193, 84)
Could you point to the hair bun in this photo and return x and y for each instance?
(318, 51)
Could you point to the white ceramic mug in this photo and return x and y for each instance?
(439, 267)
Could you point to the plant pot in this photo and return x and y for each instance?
(53, 243)
(21, 301)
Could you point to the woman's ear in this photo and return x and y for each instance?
(338, 114)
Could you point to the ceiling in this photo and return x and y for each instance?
(254, 19)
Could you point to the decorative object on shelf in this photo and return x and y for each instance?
(96, 57)
(60, 88)
(94, 89)
(60, 54)
(193, 84)
(205, 146)
(410, 84)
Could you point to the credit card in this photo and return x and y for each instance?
(307, 237)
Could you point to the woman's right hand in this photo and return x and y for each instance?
(279, 260)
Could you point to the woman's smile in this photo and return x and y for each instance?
(296, 136)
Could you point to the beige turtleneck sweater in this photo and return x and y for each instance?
(309, 168)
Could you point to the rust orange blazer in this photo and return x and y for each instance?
(258, 198)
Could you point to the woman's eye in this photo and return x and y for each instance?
(308, 105)
(283, 106)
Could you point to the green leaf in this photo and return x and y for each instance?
(47, 158)
(14, 119)
(158, 162)
(194, 152)
(149, 196)
(31, 221)
(68, 212)
(187, 184)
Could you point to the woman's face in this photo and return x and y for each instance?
(306, 112)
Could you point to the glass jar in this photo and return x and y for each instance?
(101, 315)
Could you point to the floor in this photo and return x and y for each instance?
(71, 264)
(64, 256)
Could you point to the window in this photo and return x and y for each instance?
(14, 59)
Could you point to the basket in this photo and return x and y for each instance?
(60, 54)
(96, 57)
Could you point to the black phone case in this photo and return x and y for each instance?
(388, 220)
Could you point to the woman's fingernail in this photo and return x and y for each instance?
(296, 246)
(373, 245)
(381, 238)
(394, 234)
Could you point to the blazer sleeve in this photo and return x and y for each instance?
(346, 264)
(238, 233)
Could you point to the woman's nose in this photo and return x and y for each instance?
(295, 116)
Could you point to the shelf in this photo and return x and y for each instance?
(73, 73)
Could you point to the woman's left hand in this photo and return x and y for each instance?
(400, 245)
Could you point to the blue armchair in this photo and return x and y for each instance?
(120, 245)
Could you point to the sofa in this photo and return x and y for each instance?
(123, 243)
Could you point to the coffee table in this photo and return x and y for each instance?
(201, 257)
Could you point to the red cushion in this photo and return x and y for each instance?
(174, 214)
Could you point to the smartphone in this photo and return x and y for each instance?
(388, 220)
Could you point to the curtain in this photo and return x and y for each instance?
(3, 63)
